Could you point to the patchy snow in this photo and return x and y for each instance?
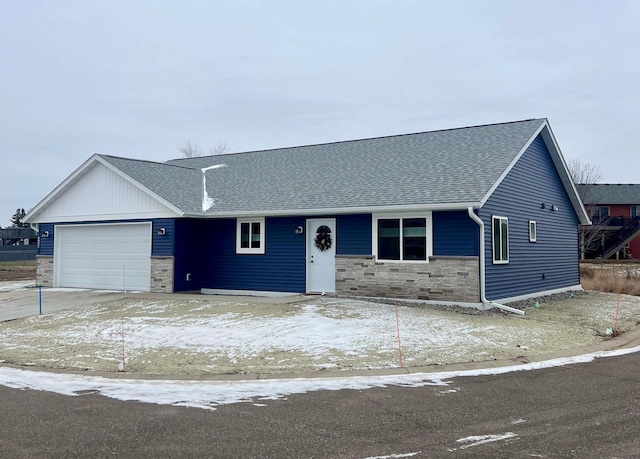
(476, 440)
(208, 201)
(9, 286)
(209, 336)
(395, 456)
(210, 394)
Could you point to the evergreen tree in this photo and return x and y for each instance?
(17, 217)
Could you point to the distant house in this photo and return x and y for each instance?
(615, 213)
(474, 215)
(18, 236)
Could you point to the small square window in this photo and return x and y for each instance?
(533, 230)
(500, 238)
(250, 236)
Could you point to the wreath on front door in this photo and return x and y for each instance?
(323, 238)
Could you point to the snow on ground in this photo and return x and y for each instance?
(7, 286)
(210, 394)
(209, 336)
(212, 337)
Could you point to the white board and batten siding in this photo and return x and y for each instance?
(102, 194)
(103, 256)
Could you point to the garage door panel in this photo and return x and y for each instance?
(103, 256)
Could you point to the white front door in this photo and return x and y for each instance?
(321, 255)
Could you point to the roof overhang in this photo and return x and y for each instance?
(339, 210)
(32, 216)
(561, 167)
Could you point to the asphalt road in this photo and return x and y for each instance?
(587, 411)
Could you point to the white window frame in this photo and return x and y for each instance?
(637, 209)
(533, 235)
(499, 261)
(249, 250)
(392, 216)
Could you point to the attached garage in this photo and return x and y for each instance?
(103, 256)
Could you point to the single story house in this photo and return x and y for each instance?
(477, 215)
(615, 212)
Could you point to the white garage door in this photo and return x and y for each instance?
(113, 257)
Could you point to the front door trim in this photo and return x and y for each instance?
(311, 224)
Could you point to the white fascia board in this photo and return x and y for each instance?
(559, 163)
(66, 183)
(121, 216)
(79, 172)
(141, 187)
(339, 210)
(511, 165)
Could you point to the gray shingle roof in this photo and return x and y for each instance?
(181, 186)
(610, 193)
(455, 166)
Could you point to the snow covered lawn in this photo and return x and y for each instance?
(209, 336)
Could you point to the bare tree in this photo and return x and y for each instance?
(584, 175)
(190, 150)
(220, 148)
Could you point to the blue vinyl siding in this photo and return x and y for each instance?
(188, 240)
(163, 245)
(353, 234)
(46, 243)
(551, 262)
(281, 268)
(455, 234)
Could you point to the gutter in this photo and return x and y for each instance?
(484, 300)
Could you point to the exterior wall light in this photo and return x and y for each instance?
(299, 230)
(554, 208)
(162, 231)
(45, 234)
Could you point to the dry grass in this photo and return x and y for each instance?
(611, 278)
(17, 270)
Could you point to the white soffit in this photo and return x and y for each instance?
(99, 193)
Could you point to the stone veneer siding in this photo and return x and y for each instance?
(44, 270)
(442, 279)
(161, 275)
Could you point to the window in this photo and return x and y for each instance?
(402, 238)
(500, 236)
(250, 236)
(599, 214)
(533, 229)
(635, 211)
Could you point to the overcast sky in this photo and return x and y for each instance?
(139, 78)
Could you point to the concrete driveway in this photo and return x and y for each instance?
(25, 302)
(22, 298)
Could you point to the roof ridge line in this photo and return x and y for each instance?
(359, 140)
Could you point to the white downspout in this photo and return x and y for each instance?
(486, 302)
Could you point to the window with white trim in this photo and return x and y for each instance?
(250, 236)
(533, 231)
(402, 237)
(500, 237)
(635, 211)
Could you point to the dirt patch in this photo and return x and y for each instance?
(200, 337)
(17, 271)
